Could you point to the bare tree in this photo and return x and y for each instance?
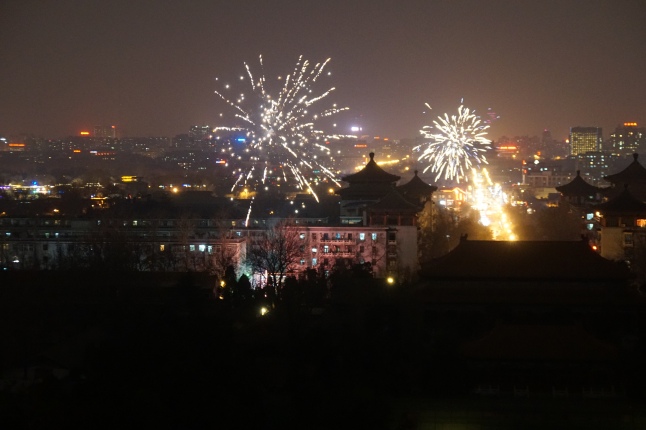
(275, 253)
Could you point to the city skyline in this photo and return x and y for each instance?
(150, 67)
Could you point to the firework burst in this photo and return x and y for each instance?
(456, 144)
(282, 140)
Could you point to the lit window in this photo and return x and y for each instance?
(191, 247)
(162, 247)
(313, 261)
(302, 236)
(362, 236)
(314, 250)
(640, 223)
(374, 236)
(326, 249)
(202, 248)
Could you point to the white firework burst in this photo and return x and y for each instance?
(280, 130)
(456, 145)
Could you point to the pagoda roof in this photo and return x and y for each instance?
(578, 187)
(547, 261)
(371, 173)
(416, 187)
(625, 203)
(394, 201)
(365, 191)
(635, 173)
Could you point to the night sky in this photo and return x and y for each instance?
(149, 67)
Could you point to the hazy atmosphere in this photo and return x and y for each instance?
(150, 66)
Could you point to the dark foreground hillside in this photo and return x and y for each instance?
(88, 350)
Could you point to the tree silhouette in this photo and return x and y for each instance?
(274, 253)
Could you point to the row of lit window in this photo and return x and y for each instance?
(339, 236)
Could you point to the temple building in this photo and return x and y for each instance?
(579, 193)
(634, 176)
(366, 187)
(623, 226)
(527, 318)
(416, 190)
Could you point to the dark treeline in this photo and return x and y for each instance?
(178, 350)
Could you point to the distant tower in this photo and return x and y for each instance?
(585, 139)
(628, 138)
(105, 131)
(546, 138)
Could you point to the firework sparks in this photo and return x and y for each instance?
(455, 145)
(281, 130)
(490, 201)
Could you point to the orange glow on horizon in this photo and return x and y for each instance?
(85, 133)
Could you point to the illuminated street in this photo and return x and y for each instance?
(490, 200)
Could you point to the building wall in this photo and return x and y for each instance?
(547, 179)
(585, 139)
(611, 243)
(622, 237)
(41, 243)
(390, 250)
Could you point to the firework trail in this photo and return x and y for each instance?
(455, 144)
(280, 130)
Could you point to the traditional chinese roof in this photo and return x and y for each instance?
(635, 173)
(394, 202)
(624, 204)
(416, 188)
(371, 173)
(367, 191)
(578, 187)
(547, 261)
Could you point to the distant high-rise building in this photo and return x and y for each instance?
(199, 132)
(628, 138)
(546, 138)
(585, 139)
(109, 131)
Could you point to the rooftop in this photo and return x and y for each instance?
(546, 261)
(371, 173)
